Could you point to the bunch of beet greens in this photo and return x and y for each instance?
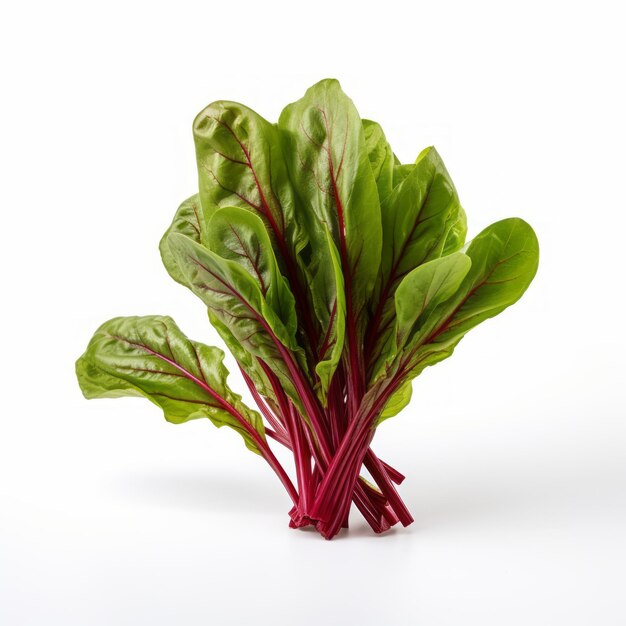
(335, 275)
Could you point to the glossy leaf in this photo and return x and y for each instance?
(240, 236)
(504, 260)
(150, 357)
(417, 218)
(329, 166)
(241, 163)
(236, 300)
(417, 296)
(400, 172)
(505, 257)
(189, 221)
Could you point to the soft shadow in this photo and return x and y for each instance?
(362, 530)
(434, 504)
(506, 498)
(200, 493)
(449, 507)
(358, 528)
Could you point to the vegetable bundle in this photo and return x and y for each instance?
(335, 275)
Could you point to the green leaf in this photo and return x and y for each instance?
(231, 293)
(330, 308)
(236, 300)
(417, 218)
(398, 400)
(423, 289)
(189, 221)
(381, 157)
(329, 166)
(151, 357)
(240, 236)
(417, 296)
(241, 163)
(504, 257)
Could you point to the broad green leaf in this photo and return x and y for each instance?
(150, 357)
(240, 236)
(236, 300)
(505, 257)
(381, 157)
(504, 260)
(189, 221)
(423, 289)
(330, 309)
(329, 166)
(417, 217)
(415, 299)
(241, 163)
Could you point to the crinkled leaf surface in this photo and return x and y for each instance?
(329, 165)
(151, 357)
(417, 218)
(504, 259)
(236, 300)
(241, 163)
(189, 221)
(240, 236)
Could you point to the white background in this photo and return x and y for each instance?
(515, 448)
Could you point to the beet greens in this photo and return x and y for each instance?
(335, 275)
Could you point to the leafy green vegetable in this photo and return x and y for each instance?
(335, 274)
(418, 217)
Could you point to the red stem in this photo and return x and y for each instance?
(377, 470)
(267, 414)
